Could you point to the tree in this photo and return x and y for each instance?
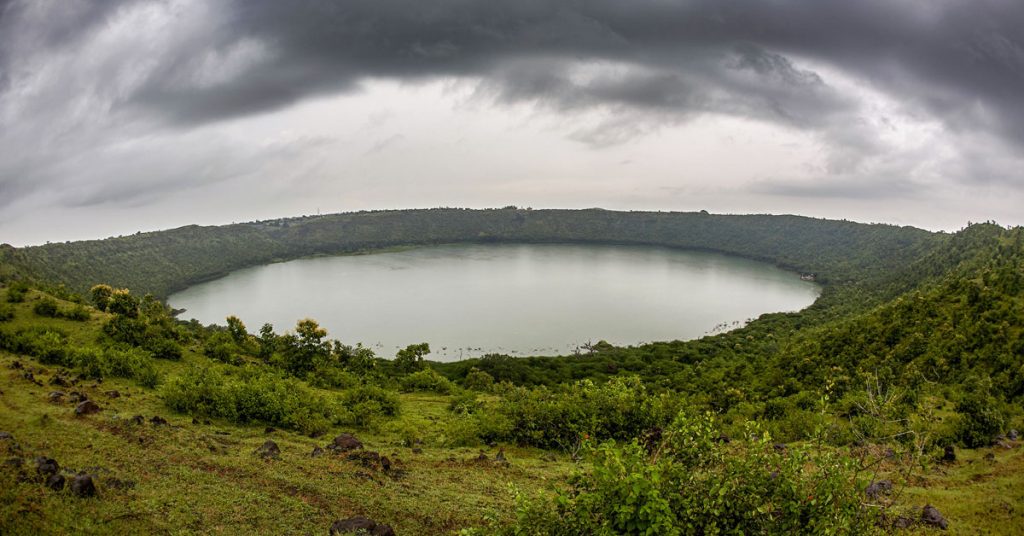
(268, 341)
(410, 359)
(101, 296)
(123, 303)
(237, 329)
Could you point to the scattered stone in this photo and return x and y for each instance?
(361, 525)
(77, 397)
(6, 435)
(46, 467)
(889, 453)
(1013, 435)
(16, 365)
(949, 454)
(931, 516)
(14, 462)
(137, 420)
(500, 456)
(117, 483)
(780, 447)
(112, 394)
(87, 407)
(55, 482)
(195, 420)
(158, 421)
(56, 397)
(366, 458)
(269, 430)
(317, 452)
(903, 522)
(60, 381)
(206, 422)
(878, 488)
(417, 450)
(269, 450)
(344, 443)
(481, 457)
(385, 463)
(83, 486)
(990, 457)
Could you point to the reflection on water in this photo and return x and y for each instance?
(468, 300)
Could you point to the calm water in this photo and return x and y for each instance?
(467, 300)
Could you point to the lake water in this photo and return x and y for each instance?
(517, 299)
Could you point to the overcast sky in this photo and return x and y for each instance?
(119, 116)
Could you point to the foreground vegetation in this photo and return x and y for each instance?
(901, 387)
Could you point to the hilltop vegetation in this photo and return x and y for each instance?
(838, 419)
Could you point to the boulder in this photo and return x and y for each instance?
(385, 463)
(60, 381)
(878, 488)
(158, 421)
(83, 486)
(1013, 435)
(361, 525)
(344, 443)
(269, 430)
(317, 452)
(77, 397)
(5, 436)
(112, 394)
(137, 420)
(269, 450)
(87, 407)
(46, 467)
(366, 458)
(931, 516)
(56, 397)
(949, 454)
(55, 482)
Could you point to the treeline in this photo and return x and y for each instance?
(163, 262)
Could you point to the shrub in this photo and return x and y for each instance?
(980, 420)
(46, 307)
(16, 292)
(478, 380)
(687, 483)
(116, 362)
(367, 402)
(6, 312)
(427, 380)
(251, 395)
(164, 349)
(333, 377)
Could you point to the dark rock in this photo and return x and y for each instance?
(990, 457)
(1013, 435)
(481, 457)
(137, 420)
(77, 397)
(500, 456)
(385, 463)
(158, 421)
(268, 450)
(117, 483)
(931, 516)
(889, 453)
(6, 435)
(56, 397)
(206, 422)
(14, 462)
(55, 482)
(361, 525)
(87, 407)
(903, 522)
(780, 447)
(317, 452)
(949, 454)
(366, 458)
(195, 420)
(112, 394)
(16, 365)
(47, 466)
(60, 381)
(417, 450)
(878, 488)
(269, 430)
(722, 438)
(344, 443)
(83, 486)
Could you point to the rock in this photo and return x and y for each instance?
(1013, 435)
(137, 420)
(317, 452)
(195, 421)
(344, 443)
(56, 397)
(16, 365)
(931, 516)
(949, 454)
(903, 522)
(780, 447)
(77, 397)
(6, 435)
(878, 488)
(112, 394)
(269, 430)
(87, 407)
(481, 457)
(46, 467)
(60, 381)
(269, 450)
(990, 457)
(158, 421)
(385, 463)
(889, 453)
(500, 458)
(366, 458)
(361, 525)
(83, 486)
(14, 462)
(55, 482)
(417, 450)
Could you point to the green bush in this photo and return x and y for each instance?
(980, 420)
(427, 380)
(478, 380)
(46, 307)
(687, 483)
(6, 312)
(16, 292)
(164, 349)
(116, 362)
(252, 395)
(368, 402)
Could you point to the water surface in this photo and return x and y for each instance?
(467, 300)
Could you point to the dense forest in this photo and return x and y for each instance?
(905, 377)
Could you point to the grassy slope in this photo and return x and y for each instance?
(192, 478)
